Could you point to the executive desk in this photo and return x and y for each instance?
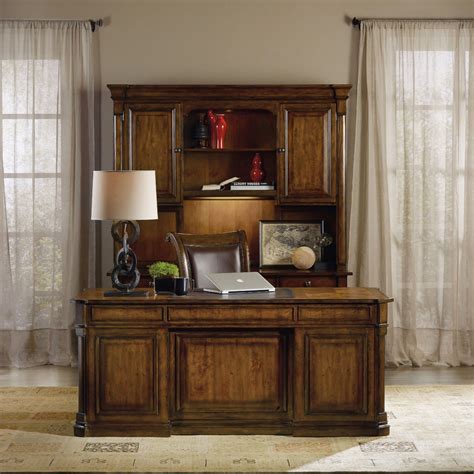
(305, 361)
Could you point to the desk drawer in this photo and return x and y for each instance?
(126, 313)
(308, 282)
(335, 313)
(227, 313)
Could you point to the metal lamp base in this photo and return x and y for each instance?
(125, 275)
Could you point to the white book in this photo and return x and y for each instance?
(217, 187)
(256, 187)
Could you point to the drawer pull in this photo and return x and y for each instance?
(307, 283)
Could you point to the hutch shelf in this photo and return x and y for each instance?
(299, 132)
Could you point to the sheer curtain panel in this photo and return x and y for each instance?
(46, 160)
(412, 202)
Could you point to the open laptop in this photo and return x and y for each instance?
(225, 283)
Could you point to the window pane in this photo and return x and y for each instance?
(17, 86)
(48, 312)
(47, 269)
(47, 146)
(46, 86)
(21, 258)
(47, 202)
(425, 78)
(19, 197)
(17, 145)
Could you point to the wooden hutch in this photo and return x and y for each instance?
(299, 130)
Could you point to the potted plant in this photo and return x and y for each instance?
(163, 274)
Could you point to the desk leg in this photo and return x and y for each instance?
(80, 425)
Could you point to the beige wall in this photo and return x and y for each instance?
(223, 41)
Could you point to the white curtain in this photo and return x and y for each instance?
(46, 160)
(412, 202)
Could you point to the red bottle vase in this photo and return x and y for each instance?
(221, 129)
(212, 120)
(256, 172)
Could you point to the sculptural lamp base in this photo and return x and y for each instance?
(125, 275)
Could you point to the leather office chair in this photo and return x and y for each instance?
(200, 254)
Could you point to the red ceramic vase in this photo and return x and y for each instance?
(212, 120)
(221, 128)
(256, 172)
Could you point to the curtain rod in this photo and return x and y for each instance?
(357, 21)
(94, 23)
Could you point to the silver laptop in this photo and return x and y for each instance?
(225, 283)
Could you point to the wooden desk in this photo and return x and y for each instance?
(305, 361)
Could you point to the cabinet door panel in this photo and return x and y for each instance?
(307, 171)
(130, 375)
(125, 373)
(334, 374)
(234, 373)
(153, 141)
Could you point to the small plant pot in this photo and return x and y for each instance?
(164, 285)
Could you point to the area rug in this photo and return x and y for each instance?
(432, 430)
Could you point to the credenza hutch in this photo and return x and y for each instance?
(299, 132)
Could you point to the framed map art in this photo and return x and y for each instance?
(279, 239)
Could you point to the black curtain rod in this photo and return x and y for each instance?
(96, 23)
(357, 21)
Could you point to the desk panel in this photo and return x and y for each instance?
(229, 373)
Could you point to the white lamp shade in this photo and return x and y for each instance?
(124, 195)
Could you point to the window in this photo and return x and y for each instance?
(430, 169)
(30, 115)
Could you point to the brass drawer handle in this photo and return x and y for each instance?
(307, 283)
(178, 150)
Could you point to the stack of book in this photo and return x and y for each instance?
(247, 186)
(221, 185)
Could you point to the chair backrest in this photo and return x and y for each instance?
(200, 254)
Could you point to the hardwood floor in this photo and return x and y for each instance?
(41, 376)
(52, 376)
(430, 376)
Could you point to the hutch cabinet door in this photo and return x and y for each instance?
(334, 374)
(128, 382)
(307, 154)
(155, 143)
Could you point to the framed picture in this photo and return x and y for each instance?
(278, 240)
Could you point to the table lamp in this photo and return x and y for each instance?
(124, 197)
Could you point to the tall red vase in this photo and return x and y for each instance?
(212, 120)
(221, 129)
(256, 172)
